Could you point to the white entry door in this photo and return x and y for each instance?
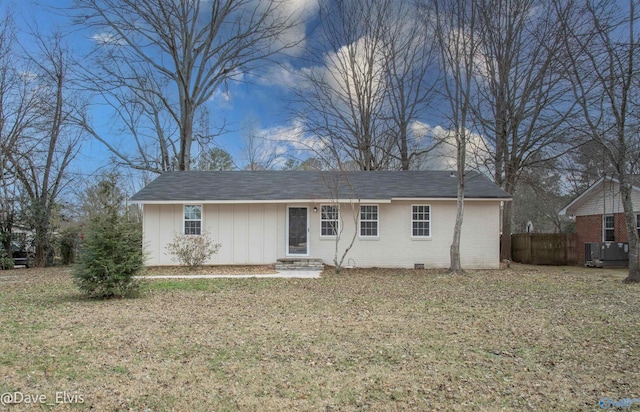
(297, 231)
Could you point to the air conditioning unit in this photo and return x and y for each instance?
(606, 254)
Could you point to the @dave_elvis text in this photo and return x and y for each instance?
(25, 398)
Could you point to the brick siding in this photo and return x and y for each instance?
(589, 229)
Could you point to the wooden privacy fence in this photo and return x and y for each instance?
(544, 248)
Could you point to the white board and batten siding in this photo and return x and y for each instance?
(249, 234)
(256, 234)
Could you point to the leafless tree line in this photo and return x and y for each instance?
(372, 75)
(157, 63)
(549, 77)
(516, 84)
(38, 141)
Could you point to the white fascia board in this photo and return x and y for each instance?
(433, 199)
(349, 201)
(245, 202)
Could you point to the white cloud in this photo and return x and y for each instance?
(294, 12)
(301, 11)
(28, 76)
(222, 98)
(291, 137)
(443, 157)
(273, 146)
(419, 131)
(284, 75)
(357, 63)
(108, 38)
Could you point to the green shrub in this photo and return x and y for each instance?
(69, 239)
(112, 251)
(5, 261)
(192, 250)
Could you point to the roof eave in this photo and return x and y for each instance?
(327, 200)
(253, 201)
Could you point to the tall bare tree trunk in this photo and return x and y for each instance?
(456, 265)
(455, 26)
(630, 220)
(601, 46)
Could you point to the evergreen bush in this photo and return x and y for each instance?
(112, 251)
(5, 261)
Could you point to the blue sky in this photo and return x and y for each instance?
(257, 103)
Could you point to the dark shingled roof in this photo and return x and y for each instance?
(288, 185)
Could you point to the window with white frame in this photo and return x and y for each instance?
(369, 220)
(421, 221)
(609, 229)
(329, 220)
(192, 219)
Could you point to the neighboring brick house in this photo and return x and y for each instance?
(599, 213)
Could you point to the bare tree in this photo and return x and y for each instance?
(215, 158)
(18, 113)
(260, 153)
(342, 98)
(538, 197)
(46, 150)
(454, 24)
(601, 52)
(521, 101)
(410, 58)
(167, 58)
(339, 188)
(140, 115)
(371, 79)
(584, 166)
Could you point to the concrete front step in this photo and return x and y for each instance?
(299, 264)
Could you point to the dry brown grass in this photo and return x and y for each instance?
(209, 270)
(527, 338)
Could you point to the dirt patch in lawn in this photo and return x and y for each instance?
(527, 338)
(209, 270)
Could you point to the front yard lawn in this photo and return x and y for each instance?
(532, 338)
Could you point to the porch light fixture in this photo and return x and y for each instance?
(315, 209)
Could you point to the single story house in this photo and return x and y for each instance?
(599, 213)
(399, 218)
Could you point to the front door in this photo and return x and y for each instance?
(297, 231)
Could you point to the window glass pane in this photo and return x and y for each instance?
(609, 222)
(192, 219)
(298, 231)
(609, 229)
(192, 212)
(329, 229)
(329, 216)
(192, 227)
(421, 223)
(369, 220)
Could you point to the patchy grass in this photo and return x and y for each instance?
(209, 270)
(532, 338)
